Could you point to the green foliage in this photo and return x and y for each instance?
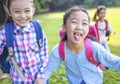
(113, 3)
(58, 5)
(6, 80)
(37, 6)
(88, 3)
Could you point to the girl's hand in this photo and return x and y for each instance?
(114, 32)
(39, 81)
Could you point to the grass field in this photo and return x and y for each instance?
(51, 22)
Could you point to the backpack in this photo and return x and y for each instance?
(93, 31)
(88, 50)
(5, 66)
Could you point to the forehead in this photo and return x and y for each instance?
(80, 15)
(21, 3)
(102, 10)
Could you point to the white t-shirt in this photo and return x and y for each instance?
(102, 30)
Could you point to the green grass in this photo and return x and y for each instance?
(51, 22)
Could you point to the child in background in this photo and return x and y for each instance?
(78, 69)
(100, 25)
(30, 58)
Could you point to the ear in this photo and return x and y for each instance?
(64, 27)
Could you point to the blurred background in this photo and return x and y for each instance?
(60, 5)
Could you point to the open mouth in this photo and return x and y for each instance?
(77, 36)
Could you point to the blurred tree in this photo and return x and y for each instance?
(3, 16)
(58, 5)
(79, 2)
(37, 6)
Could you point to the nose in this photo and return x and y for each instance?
(23, 15)
(79, 26)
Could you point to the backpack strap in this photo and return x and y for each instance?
(61, 50)
(96, 26)
(9, 43)
(89, 53)
(39, 32)
(9, 37)
(106, 23)
(92, 34)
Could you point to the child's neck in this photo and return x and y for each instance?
(101, 20)
(75, 48)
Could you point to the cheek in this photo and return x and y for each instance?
(86, 30)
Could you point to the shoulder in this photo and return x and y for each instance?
(2, 30)
(35, 21)
(55, 49)
(97, 47)
(106, 22)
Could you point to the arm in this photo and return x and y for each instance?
(106, 58)
(2, 40)
(43, 58)
(53, 63)
(111, 29)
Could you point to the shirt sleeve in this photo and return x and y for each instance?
(2, 40)
(110, 28)
(54, 62)
(43, 57)
(106, 58)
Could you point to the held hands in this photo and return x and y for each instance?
(39, 81)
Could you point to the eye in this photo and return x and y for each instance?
(16, 11)
(85, 23)
(27, 11)
(74, 22)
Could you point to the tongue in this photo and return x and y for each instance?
(77, 36)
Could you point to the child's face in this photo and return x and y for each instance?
(77, 26)
(101, 14)
(21, 12)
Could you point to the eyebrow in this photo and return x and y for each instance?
(15, 9)
(18, 8)
(78, 19)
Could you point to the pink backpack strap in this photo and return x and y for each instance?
(61, 50)
(96, 26)
(89, 53)
(106, 23)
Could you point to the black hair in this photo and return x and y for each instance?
(3, 15)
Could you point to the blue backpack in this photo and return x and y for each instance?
(4, 65)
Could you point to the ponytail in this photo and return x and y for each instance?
(95, 16)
